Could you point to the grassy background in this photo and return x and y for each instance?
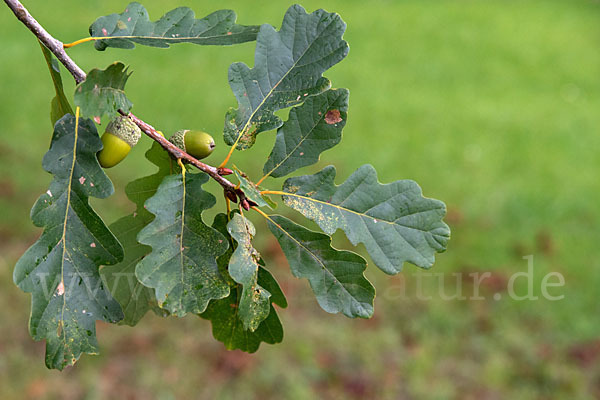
(492, 106)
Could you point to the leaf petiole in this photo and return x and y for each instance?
(262, 179)
(272, 191)
(228, 205)
(226, 160)
(84, 40)
(180, 163)
(261, 212)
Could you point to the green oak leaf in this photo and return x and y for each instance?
(243, 268)
(264, 276)
(224, 315)
(394, 221)
(135, 298)
(288, 67)
(59, 106)
(252, 192)
(336, 276)
(228, 328)
(102, 92)
(312, 128)
(182, 266)
(61, 269)
(177, 26)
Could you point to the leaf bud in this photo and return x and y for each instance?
(224, 171)
(231, 196)
(244, 203)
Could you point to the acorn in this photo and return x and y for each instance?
(198, 144)
(120, 136)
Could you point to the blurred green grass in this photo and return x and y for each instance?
(490, 106)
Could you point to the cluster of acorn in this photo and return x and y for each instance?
(122, 134)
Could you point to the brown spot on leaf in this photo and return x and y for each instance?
(248, 137)
(333, 117)
(97, 119)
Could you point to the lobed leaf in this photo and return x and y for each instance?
(336, 276)
(177, 26)
(135, 298)
(224, 314)
(243, 268)
(60, 270)
(288, 67)
(102, 92)
(394, 221)
(182, 266)
(312, 128)
(264, 276)
(59, 105)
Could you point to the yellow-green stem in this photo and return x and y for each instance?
(84, 40)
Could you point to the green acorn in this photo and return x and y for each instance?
(196, 143)
(120, 136)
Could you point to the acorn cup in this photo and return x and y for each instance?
(197, 144)
(120, 136)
